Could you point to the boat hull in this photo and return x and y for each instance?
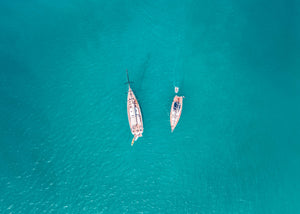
(134, 115)
(175, 112)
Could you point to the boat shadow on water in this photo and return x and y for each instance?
(143, 69)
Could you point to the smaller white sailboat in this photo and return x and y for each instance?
(176, 109)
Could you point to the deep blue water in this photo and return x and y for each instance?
(64, 134)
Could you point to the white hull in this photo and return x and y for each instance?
(134, 115)
(175, 112)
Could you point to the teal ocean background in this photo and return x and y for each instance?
(64, 133)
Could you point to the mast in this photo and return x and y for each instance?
(128, 78)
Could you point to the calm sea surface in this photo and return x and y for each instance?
(64, 133)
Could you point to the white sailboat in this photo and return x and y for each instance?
(176, 109)
(134, 114)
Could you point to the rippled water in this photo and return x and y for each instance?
(64, 134)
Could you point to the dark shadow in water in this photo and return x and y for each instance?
(143, 68)
(137, 75)
(12, 66)
(24, 125)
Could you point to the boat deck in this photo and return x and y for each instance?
(134, 115)
(176, 110)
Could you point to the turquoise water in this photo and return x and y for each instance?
(64, 134)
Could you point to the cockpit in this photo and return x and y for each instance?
(176, 105)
